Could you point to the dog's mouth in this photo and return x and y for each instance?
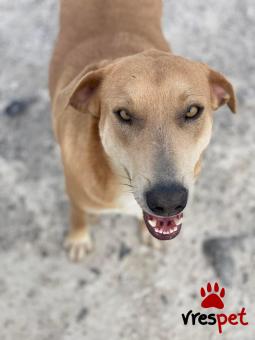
(163, 228)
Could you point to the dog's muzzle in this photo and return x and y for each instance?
(166, 202)
(163, 228)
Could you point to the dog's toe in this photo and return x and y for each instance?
(78, 246)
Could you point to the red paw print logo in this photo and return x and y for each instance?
(212, 297)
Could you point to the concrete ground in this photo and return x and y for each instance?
(123, 290)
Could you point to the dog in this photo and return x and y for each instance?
(131, 118)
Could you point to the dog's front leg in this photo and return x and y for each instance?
(78, 241)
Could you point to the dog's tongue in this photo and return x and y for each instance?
(163, 228)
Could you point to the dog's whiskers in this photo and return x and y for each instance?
(127, 173)
(129, 192)
(147, 179)
(123, 176)
(128, 185)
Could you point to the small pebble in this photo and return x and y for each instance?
(95, 270)
(82, 314)
(123, 251)
(16, 107)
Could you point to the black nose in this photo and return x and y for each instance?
(167, 199)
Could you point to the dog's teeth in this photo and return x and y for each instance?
(175, 228)
(153, 222)
(179, 220)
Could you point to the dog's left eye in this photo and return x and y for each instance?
(193, 112)
(123, 115)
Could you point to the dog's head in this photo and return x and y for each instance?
(155, 113)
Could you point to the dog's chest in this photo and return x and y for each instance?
(124, 204)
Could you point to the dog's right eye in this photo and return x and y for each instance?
(123, 115)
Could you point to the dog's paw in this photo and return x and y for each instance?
(78, 245)
(149, 240)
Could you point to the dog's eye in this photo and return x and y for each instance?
(193, 112)
(123, 115)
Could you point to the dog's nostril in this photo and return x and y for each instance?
(159, 209)
(179, 207)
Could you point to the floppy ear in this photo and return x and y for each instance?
(84, 89)
(222, 91)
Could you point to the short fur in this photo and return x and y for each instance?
(111, 54)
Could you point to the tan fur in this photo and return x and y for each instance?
(110, 54)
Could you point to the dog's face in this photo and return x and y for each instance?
(155, 120)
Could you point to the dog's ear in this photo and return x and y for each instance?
(222, 91)
(84, 90)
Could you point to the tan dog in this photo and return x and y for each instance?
(128, 111)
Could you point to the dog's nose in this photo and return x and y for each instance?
(167, 199)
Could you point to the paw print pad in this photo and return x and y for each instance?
(212, 296)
